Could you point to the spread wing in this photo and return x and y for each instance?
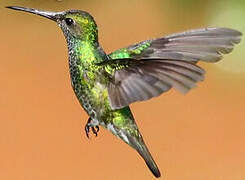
(149, 68)
(201, 44)
(137, 80)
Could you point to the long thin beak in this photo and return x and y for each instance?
(50, 15)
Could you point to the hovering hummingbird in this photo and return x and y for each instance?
(105, 84)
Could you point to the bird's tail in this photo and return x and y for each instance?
(138, 144)
(125, 127)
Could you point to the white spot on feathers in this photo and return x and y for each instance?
(125, 138)
(111, 128)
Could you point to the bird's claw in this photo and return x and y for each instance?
(95, 129)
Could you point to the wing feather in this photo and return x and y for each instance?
(206, 44)
(145, 79)
(149, 68)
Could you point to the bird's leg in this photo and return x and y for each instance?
(93, 125)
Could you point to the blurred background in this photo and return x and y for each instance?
(198, 136)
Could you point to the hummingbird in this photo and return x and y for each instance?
(106, 84)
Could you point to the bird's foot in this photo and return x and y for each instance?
(90, 125)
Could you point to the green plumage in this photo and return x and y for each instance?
(106, 84)
(131, 51)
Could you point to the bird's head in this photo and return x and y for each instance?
(74, 23)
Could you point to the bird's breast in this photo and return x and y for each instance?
(91, 93)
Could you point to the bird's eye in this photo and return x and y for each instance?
(69, 21)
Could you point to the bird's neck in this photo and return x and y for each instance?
(84, 51)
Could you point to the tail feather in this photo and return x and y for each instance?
(139, 145)
(129, 133)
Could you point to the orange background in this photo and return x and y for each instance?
(199, 136)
